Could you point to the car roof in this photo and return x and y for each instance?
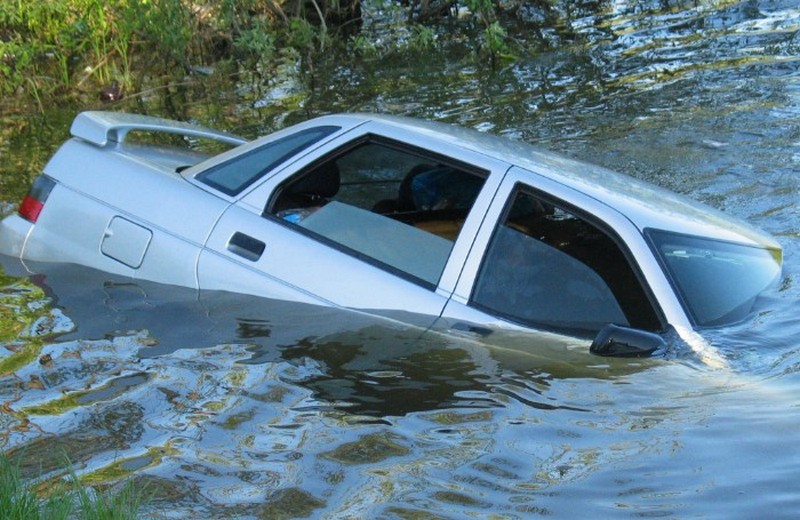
(644, 204)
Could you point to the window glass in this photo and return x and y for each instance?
(235, 175)
(546, 267)
(397, 208)
(718, 281)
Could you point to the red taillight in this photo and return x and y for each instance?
(30, 208)
(33, 203)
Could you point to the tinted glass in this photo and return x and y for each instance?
(718, 281)
(548, 268)
(237, 174)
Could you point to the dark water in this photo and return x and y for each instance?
(244, 408)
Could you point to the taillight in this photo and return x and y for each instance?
(33, 203)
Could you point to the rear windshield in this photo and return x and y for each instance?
(718, 281)
(240, 172)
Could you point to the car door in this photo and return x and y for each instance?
(380, 219)
(553, 259)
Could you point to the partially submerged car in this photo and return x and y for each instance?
(430, 224)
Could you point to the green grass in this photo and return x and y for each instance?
(25, 500)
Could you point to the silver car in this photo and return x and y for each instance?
(434, 225)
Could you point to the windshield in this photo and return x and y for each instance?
(717, 281)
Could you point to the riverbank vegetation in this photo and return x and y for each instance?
(23, 499)
(113, 48)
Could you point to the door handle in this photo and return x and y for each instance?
(246, 246)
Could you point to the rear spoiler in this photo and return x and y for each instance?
(102, 128)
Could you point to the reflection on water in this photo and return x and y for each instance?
(236, 406)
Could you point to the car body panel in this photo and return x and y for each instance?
(141, 189)
(14, 231)
(314, 270)
(92, 193)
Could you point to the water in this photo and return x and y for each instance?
(238, 407)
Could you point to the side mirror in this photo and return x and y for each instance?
(616, 341)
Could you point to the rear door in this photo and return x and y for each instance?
(379, 220)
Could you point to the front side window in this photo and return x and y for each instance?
(548, 268)
(237, 174)
(717, 281)
(395, 207)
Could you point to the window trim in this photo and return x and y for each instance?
(602, 226)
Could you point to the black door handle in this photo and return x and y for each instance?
(246, 246)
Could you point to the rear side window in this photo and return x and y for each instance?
(548, 268)
(237, 174)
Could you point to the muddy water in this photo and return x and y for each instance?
(244, 408)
